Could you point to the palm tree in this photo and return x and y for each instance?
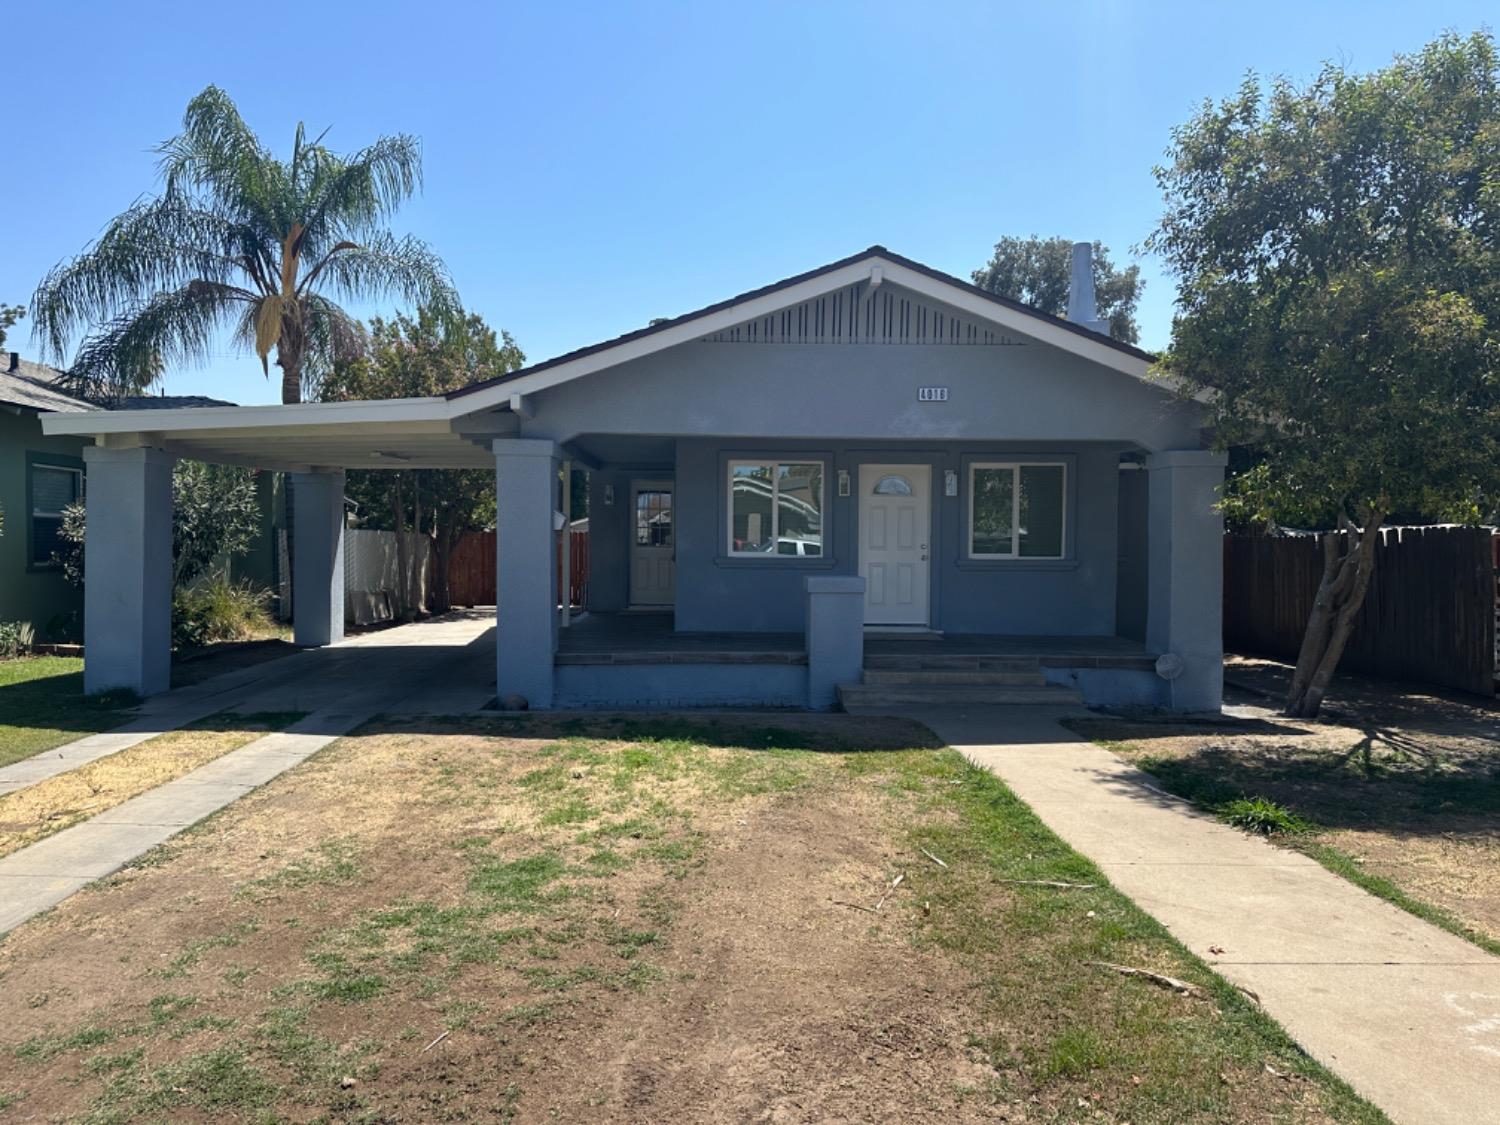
(241, 240)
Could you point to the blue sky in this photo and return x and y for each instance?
(592, 166)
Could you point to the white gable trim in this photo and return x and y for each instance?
(1034, 327)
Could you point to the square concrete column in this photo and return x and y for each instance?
(1184, 616)
(835, 637)
(318, 558)
(127, 590)
(526, 496)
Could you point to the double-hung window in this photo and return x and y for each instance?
(776, 508)
(1017, 510)
(53, 488)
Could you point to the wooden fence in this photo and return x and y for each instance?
(1430, 615)
(472, 576)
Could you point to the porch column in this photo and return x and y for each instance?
(127, 590)
(1184, 615)
(526, 484)
(318, 559)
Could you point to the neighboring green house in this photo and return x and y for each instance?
(39, 476)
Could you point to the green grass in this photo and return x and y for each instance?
(42, 705)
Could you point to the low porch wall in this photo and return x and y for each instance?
(671, 686)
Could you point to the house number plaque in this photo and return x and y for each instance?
(932, 394)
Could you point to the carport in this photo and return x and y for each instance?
(128, 587)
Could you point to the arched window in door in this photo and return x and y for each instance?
(893, 485)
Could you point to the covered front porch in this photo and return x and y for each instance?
(625, 658)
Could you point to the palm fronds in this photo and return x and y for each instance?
(240, 238)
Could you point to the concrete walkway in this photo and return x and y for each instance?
(439, 667)
(1406, 1013)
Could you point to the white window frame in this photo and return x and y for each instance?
(1015, 511)
(775, 464)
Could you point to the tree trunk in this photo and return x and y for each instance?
(418, 603)
(401, 610)
(1341, 593)
(444, 539)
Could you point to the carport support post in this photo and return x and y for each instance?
(526, 485)
(835, 636)
(1186, 581)
(318, 565)
(127, 590)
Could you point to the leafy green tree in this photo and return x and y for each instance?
(215, 514)
(1037, 271)
(411, 357)
(240, 240)
(9, 315)
(1337, 249)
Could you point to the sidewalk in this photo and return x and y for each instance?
(1407, 1014)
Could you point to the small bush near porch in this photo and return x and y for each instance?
(650, 920)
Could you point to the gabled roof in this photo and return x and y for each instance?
(34, 387)
(897, 269)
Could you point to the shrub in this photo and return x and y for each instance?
(1263, 816)
(219, 610)
(15, 638)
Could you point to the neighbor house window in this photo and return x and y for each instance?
(776, 508)
(1016, 510)
(53, 488)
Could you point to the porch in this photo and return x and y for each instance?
(651, 638)
(639, 659)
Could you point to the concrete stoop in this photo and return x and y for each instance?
(916, 681)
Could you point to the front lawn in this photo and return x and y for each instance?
(42, 705)
(537, 918)
(1397, 790)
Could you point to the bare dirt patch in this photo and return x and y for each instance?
(1401, 786)
(40, 810)
(625, 920)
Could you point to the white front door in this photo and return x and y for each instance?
(895, 531)
(653, 551)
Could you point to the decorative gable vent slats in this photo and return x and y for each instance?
(847, 316)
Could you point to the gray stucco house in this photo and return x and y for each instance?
(869, 478)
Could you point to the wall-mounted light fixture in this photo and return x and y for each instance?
(950, 482)
(609, 495)
(843, 482)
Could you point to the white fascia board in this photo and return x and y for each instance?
(1038, 328)
(397, 411)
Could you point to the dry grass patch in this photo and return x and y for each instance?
(49, 806)
(534, 917)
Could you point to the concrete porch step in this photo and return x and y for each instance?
(956, 662)
(939, 695)
(957, 676)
